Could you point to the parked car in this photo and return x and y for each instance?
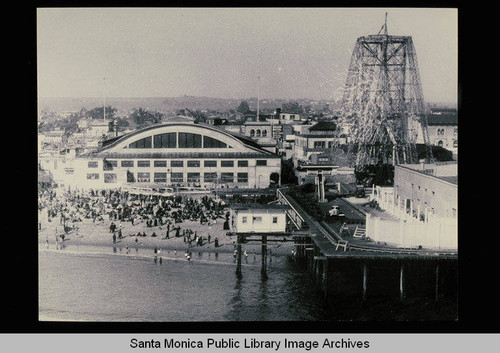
(335, 212)
(360, 191)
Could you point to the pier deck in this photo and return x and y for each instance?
(327, 239)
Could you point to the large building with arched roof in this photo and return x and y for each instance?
(177, 154)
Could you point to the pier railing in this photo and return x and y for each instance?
(292, 213)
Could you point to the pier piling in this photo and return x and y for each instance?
(325, 278)
(401, 282)
(365, 278)
(238, 257)
(437, 282)
(263, 270)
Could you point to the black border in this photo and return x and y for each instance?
(20, 294)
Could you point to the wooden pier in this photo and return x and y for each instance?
(335, 262)
(263, 239)
(322, 249)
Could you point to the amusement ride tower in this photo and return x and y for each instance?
(383, 106)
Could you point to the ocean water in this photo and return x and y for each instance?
(85, 283)
(102, 283)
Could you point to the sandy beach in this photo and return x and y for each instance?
(98, 234)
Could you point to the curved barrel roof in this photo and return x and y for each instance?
(235, 143)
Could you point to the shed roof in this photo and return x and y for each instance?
(442, 119)
(324, 126)
(258, 206)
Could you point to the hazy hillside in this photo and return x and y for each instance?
(165, 104)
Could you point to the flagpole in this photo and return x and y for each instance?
(104, 96)
(258, 97)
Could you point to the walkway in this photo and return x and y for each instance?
(327, 239)
(324, 236)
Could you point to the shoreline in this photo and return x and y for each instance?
(98, 234)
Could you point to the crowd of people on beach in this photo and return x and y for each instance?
(69, 207)
(125, 214)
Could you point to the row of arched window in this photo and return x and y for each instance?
(441, 143)
(258, 133)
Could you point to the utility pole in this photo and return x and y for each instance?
(104, 97)
(258, 97)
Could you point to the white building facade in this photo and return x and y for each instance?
(177, 154)
(421, 210)
(254, 218)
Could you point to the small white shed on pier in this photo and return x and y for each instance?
(258, 218)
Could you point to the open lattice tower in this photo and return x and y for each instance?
(383, 106)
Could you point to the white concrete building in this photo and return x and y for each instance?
(59, 165)
(177, 154)
(258, 218)
(421, 210)
(315, 139)
(443, 131)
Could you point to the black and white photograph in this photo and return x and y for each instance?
(247, 164)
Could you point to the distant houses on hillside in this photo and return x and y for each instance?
(311, 143)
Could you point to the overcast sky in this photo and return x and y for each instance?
(165, 52)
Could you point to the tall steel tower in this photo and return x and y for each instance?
(383, 105)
